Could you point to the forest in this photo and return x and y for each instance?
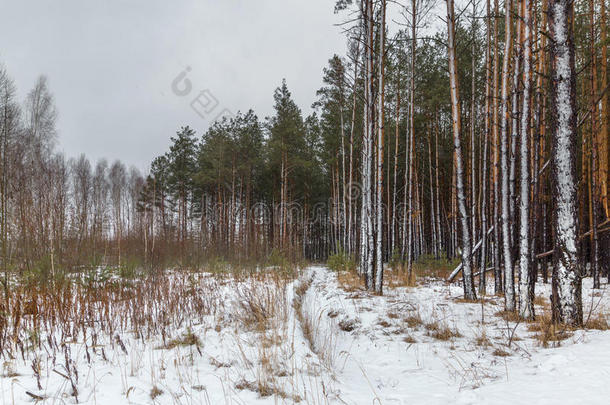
(454, 146)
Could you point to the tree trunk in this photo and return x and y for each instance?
(469, 292)
(567, 296)
(526, 290)
(509, 280)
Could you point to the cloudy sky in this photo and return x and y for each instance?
(111, 63)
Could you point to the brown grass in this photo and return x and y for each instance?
(414, 320)
(393, 315)
(155, 392)
(265, 389)
(187, 339)
(306, 323)
(260, 303)
(482, 340)
(549, 333)
(541, 301)
(500, 353)
(441, 331)
(597, 322)
(350, 281)
(400, 278)
(409, 339)
(510, 316)
(348, 325)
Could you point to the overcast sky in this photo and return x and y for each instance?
(111, 63)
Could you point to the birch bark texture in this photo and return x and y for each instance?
(567, 295)
(469, 291)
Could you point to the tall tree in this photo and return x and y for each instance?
(469, 291)
(567, 299)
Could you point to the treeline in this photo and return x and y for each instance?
(58, 213)
(487, 140)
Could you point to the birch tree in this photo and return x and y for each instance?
(567, 297)
(526, 287)
(509, 280)
(469, 291)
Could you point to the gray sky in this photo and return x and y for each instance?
(111, 63)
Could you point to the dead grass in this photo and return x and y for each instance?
(510, 316)
(441, 331)
(541, 301)
(414, 320)
(400, 277)
(350, 281)
(463, 300)
(409, 339)
(155, 392)
(482, 340)
(187, 339)
(260, 302)
(549, 333)
(392, 315)
(500, 353)
(307, 326)
(597, 322)
(348, 325)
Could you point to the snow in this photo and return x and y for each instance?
(365, 349)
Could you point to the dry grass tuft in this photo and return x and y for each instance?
(441, 331)
(414, 320)
(350, 281)
(260, 303)
(393, 315)
(597, 322)
(482, 340)
(510, 316)
(500, 353)
(409, 339)
(348, 325)
(399, 277)
(549, 333)
(187, 339)
(155, 392)
(541, 301)
(264, 389)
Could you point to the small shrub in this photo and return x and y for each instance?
(341, 261)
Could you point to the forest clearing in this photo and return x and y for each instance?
(320, 202)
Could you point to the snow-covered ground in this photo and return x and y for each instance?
(265, 340)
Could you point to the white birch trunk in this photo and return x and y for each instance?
(469, 292)
(566, 275)
(380, 116)
(509, 280)
(526, 286)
